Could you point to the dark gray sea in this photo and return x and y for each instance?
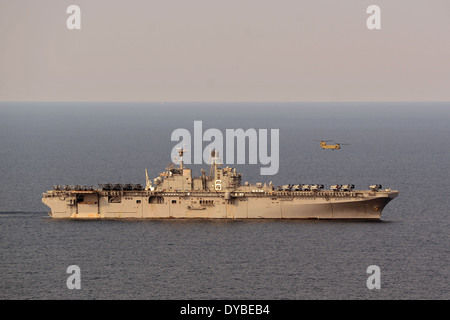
(405, 146)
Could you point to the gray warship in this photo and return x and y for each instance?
(175, 193)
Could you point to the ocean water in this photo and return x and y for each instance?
(405, 146)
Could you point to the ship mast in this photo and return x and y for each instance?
(214, 156)
(180, 156)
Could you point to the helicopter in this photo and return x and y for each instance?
(325, 145)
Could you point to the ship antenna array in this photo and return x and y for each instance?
(181, 152)
(213, 159)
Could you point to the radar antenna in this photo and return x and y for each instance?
(181, 152)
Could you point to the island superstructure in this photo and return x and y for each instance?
(175, 193)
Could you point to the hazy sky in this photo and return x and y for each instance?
(227, 50)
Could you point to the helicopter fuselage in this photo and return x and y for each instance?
(324, 145)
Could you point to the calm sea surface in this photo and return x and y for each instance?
(405, 146)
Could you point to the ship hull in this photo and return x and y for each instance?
(145, 205)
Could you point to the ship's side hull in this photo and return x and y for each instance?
(143, 205)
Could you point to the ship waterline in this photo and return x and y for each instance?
(219, 195)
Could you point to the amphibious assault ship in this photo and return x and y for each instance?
(175, 193)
